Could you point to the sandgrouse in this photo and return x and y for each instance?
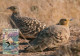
(28, 26)
(8, 39)
(50, 37)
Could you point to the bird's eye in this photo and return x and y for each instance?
(65, 20)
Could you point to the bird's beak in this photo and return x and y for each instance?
(71, 19)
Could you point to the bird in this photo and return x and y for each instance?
(51, 37)
(8, 39)
(29, 27)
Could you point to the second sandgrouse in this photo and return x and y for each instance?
(51, 37)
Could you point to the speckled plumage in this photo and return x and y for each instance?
(28, 26)
(51, 37)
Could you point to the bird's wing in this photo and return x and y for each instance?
(29, 26)
(60, 33)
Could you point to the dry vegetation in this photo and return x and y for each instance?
(47, 11)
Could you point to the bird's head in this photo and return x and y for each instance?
(64, 22)
(13, 8)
